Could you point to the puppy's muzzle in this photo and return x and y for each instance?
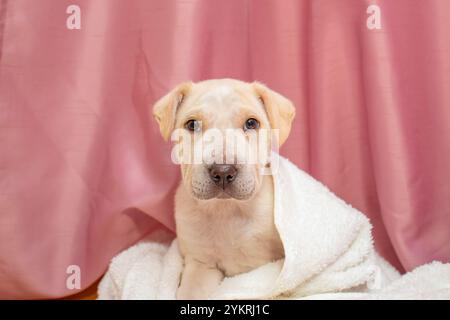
(223, 174)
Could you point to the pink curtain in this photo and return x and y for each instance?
(85, 174)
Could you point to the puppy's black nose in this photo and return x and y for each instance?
(222, 174)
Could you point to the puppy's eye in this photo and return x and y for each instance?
(251, 124)
(192, 125)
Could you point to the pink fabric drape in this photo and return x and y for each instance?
(85, 174)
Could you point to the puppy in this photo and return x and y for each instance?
(223, 211)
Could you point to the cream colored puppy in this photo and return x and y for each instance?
(223, 211)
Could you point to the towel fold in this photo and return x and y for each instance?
(328, 248)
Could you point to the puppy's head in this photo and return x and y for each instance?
(224, 131)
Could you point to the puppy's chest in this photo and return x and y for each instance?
(235, 243)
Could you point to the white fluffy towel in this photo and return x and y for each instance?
(329, 254)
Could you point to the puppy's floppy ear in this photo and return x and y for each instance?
(166, 108)
(280, 110)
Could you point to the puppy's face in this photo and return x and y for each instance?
(224, 135)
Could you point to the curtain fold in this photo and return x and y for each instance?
(85, 174)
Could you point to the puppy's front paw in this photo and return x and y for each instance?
(184, 293)
(198, 281)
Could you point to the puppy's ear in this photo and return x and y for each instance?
(166, 108)
(280, 110)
